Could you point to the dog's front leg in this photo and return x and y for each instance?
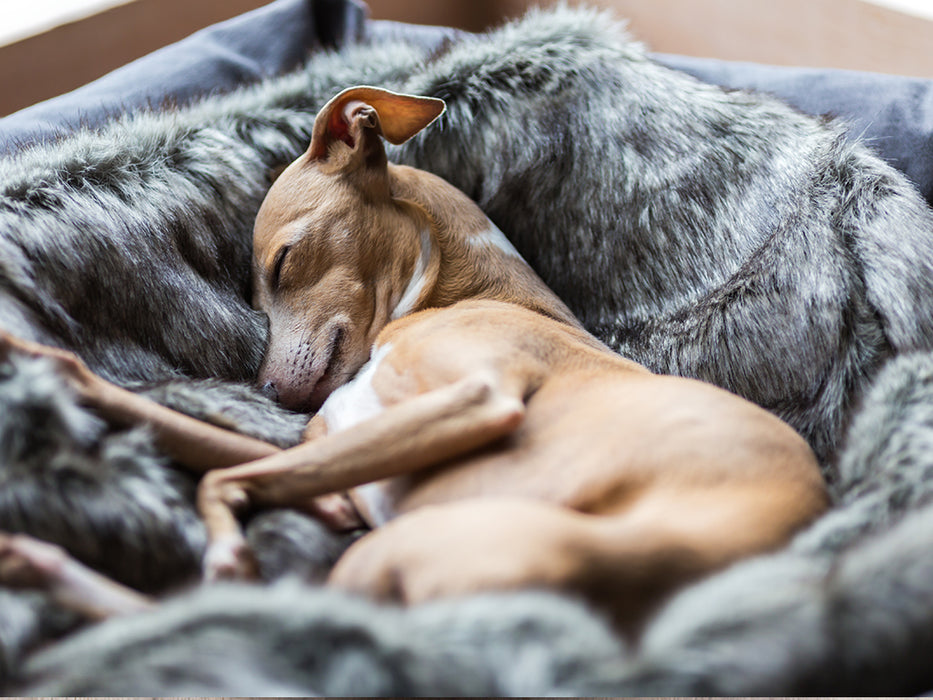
(197, 445)
(408, 436)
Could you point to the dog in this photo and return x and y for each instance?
(769, 254)
(511, 449)
(692, 243)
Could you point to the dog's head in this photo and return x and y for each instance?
(332, 248)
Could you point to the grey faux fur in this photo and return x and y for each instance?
(713, 234)
(847, 609)
(329, 644)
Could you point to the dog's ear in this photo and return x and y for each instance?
(359, 116)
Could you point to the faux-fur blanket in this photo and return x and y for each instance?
(708, 233)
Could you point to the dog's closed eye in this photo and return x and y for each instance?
(277, 267)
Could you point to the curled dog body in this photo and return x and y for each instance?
(720, 235)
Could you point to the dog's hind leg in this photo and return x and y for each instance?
(626, 562)
(32, 564)
(414, 434)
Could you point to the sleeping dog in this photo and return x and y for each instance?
(704, 233)
(543, 459)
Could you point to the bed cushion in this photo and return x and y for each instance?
(894, 114)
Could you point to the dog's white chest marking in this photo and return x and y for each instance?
(374, 503)
(356, 400)
(493, 237)
(416, 284)
(348, 406)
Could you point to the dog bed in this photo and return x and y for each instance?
(846, 608)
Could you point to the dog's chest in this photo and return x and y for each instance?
(351, 404)
(377, 503)
(357, 400)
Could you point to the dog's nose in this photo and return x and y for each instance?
(270, 391)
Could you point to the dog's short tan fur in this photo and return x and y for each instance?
(508, 447)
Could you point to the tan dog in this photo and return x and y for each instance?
(489, 441)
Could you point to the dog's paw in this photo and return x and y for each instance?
(230, 559)
(67, 363)
(336, 511)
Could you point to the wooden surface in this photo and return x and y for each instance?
(472, 15)
(828, 33)
(73, 54)
(856, 34)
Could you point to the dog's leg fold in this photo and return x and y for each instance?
(626, 561)
(671, 536)
(417, 433)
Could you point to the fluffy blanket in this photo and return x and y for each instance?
(714, 234)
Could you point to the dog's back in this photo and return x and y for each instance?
(718, 235)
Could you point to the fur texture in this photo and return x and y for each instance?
(332, 645)
(723, 235)
(847, 608)
(707, 233)
(106, 496)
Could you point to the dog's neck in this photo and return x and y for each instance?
(463, 255)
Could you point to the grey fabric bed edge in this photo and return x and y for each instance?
(893, 114)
